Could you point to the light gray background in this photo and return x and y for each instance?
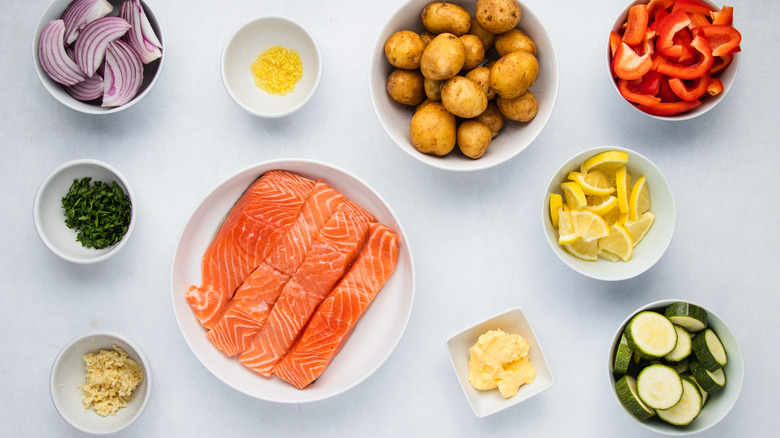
(477, 238)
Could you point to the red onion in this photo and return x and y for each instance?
(81, 12)
(90, 47)
(123, 74)
(88, 89)
(51, 53)
(141, 36)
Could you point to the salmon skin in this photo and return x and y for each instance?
(263, 213)
(333, 321)
(335, 249)
(254, 299)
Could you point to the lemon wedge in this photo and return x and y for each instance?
(593, 183)
(638, 229)
(589, 225)
(601, 205)
(608, 255)
(575, 197)
(622, 183)
(556, 203)
(566, 233)
(588, 251)
(639, 200)
(608, 162)
(618, 242)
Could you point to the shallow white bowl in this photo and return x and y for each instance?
(50, 219)
(69, 371)
(718, 404)
(727, 76)
(513, 138)
(251, 39)
(654, 244)
(151, 70)
(373, 339)
(512, 321)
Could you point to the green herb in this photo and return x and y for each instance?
(100, 213)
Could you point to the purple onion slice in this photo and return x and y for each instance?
(88, 89)
(81, 12)
(51, 53)
(141, 36)
(90, 47)
(123, 74)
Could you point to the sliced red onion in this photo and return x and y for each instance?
(90, 47)
(81, 12)
(141, 36)
(51, 53)
(123, 74)
(88, 89)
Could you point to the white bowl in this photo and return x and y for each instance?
(654, 244)
(726, 76)
(372, 340)
(69, 371)
(151, 70)
(512, 321)
(718, 404)
(251, 39)
(50, 219)
(513, 138)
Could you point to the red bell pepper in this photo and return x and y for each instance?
(636, 25)
(650, 83)
(715, 87)
(626, 64)
(683, 39)
(666, 29)
(724, 16)
(692, 6)
(655, 6)
(665, 92)
(670, 108)
(614, 42)
(720, 64)
(696, 91)
(699, 68)
(723, 38)
(629, 91)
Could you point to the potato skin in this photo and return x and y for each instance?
(486, 37)
(492, 117)
(481, 76)
(404, 49)
(433, 129)
(473, 138)
(514, 40)
(513, 74)
(443, 58)
(497, 16)
(521, 109)
(475, 51)
(433, 89)
(463, 97)
(443, 17)
(406, 86)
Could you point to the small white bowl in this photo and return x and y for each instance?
(512, 321)
(718, 404)
(69, 371)
(50, 219)
(251, 39)
(726, 76)
(514, 136)
(654, 244)
(151, 70)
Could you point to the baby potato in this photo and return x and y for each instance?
(443, 17)
(433, 129)
(406, 86)
(427, 37)
(475, 51)
(498, 16)
(443, 58)
(433, 89)
(521, 109)
(474, 138)
(514, 40)
(463, 97)
(486, 37)
(404, 49)
(492, 117)
(513, 74)
(481, 75)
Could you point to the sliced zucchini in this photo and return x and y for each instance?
(659, 386)
(704, 393)
(709, 350)
(687, 409)
(683, 347)
(690, 316)
(710, 381)
(651, 334)
(680, 367)
(626, 390)
(622, 356)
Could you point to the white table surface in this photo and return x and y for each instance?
(476, 237)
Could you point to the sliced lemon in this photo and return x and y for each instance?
(556, 203)
(638, 229)
(623, 218)
(593, 183)
(601, 205)
(588, 251)
(612, 216)
(618, 242)
(622, 183)
(639, 200)
(566, 233)
(608, 255)
(608, 162)
(575, 197)
(589, 225)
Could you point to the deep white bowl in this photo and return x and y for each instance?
(251, 39)
(151, 70)
(50, 219)
(512, 321)
(654, 244)
(373, 339)
(718, 404)
(514, 136)
(69, 371)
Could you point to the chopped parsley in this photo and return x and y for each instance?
(98, 212)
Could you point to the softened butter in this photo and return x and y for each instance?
(500, 359)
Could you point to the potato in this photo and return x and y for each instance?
(475, 51)
(497, 16)
(521, 109)
(443, 58)
(433, 89)
(473, 138)
(481, 75)
(486, 37)
(443, 17)
(513, 74)
(433, 129)
(492, 117)
(406, 86)
(404, 49)
(427, 37)
(514, 40)
(463, 97)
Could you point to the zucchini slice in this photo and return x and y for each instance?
(710, 381)
(687, 409)
(709, 350)
(704, 393)
(690, 316)
(659, 386)
(651, 334)
(622, 357)
(683, 347)
(626, 390)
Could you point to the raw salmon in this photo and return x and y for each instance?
(266, 210)
(336, 247)
(333, 321)
(252, 303)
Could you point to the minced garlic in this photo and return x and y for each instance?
(277, 70)
(111, 379)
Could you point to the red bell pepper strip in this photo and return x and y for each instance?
(695, 70)
(683, 39)
(715, 87)
(650, 83)
(724, 16)
(654, 6)
(698, 20)
(614, 41)
(723, 38)
(629, 91)
(696, 91)
(720, 64)
(666, 29)
(637, 24)
(665, 92)
(670, 108)
(626, 64)
(693, 6)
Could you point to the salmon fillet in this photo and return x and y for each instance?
(336, 247)
(254, 225)
(333, 321)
